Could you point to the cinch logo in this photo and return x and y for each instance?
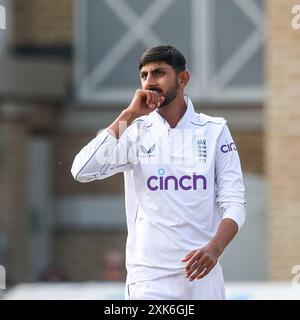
(2, 18)
(228, 147)
(185, 182)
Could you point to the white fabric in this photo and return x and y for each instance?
(179, 184)
(177, 287)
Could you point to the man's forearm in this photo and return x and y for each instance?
(123, 121)
(226, 232)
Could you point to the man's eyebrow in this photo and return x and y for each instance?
(156, 69)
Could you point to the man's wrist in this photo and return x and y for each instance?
(217, 247)
(128, 115)
(123, 121)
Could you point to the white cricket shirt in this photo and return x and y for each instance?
(179, 184)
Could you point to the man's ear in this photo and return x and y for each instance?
(184, 77)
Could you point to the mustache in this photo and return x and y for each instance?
(156, 89)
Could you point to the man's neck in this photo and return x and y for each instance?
(174, 111)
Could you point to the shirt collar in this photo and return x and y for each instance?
(183, 122)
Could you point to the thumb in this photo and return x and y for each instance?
(161, 100)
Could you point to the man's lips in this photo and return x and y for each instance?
(155, 89)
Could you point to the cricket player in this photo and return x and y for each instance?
(184, 190)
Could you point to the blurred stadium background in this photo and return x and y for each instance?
(67, 68)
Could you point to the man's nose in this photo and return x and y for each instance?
(150, 81)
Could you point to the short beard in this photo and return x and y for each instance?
(170, 95)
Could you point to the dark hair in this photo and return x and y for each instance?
(167, 54)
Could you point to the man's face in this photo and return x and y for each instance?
(162, 78)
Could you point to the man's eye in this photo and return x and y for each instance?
(143, 76)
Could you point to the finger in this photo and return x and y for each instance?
(204, 260)
(188, 256)
(149, 97)
(153, 100)
(161, 100)
(200, 272)
(197, 255)
(191, 270)
(206, 272)
(153, 97)
(157, 99)
(197, 273)
(196, 266)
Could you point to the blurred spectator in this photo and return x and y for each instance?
(53, 274)
(114, 268)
